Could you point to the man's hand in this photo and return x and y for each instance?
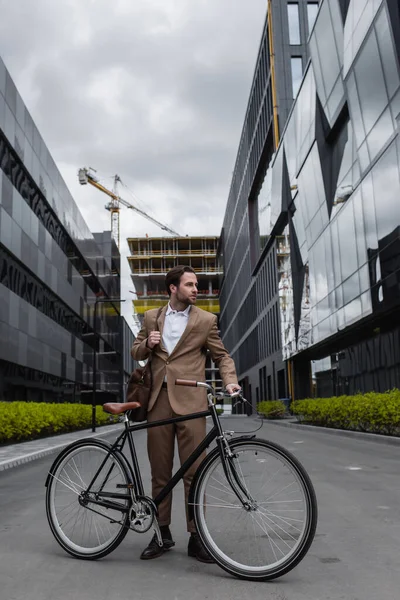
(153, 339)
(233, 387)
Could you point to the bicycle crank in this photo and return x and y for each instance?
(141, 515)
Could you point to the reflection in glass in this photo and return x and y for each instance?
(347, 240)
(388, 55)
(380, 134)
(370, 82)
(386, 191)
(327, 50)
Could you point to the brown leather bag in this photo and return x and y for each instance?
(139, 387)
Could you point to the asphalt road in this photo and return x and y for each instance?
(355, 555)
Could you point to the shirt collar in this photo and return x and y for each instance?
(182, 312)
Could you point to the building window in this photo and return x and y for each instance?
(297, 73)
(312, 11)
(294, 23)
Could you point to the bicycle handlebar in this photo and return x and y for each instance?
(193, 383)
(187, 382)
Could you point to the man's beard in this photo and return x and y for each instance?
(184, 300)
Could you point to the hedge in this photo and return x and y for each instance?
(23, 421)
(371, 412)
(271, 409)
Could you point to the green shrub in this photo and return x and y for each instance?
(271, 409)
(22, 421)
(371, 412)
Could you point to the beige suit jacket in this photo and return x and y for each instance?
(187, 360)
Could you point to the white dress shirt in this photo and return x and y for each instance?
(174, 325)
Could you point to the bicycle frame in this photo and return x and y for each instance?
(136, 486)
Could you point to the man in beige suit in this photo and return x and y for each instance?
(179, 342)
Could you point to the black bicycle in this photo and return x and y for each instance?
(253, 503)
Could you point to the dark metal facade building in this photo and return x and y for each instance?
(51, 273)
(331, 197)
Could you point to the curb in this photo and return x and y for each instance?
(25, 458)
(370, 437)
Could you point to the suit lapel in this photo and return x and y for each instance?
(160, 323)
(193, 316)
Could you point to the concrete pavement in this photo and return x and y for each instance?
(354, 555)
(13, 455)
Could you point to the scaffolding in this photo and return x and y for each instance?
(152, 257)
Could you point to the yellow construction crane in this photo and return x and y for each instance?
(87, 176)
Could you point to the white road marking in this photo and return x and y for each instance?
(354, 468)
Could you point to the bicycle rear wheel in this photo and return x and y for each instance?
(82, 527)
(269, 539)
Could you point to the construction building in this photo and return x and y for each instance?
(152, 257)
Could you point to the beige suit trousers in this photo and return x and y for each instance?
(161, 446)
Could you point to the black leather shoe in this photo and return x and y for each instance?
(153, 550)
(197, 550)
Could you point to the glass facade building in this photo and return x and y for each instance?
(331, 197)
(52, 272)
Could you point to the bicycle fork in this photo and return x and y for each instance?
(238, 486)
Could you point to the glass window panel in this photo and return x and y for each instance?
(276, 187)
(2, 78)
(326, 238)
(394, 105)
(371, 236)
(366, 304)
(353, 311)
(294, 23)
(339, 296)
(290, 144)
(338, 30)
(2, 111)
(360, 231)
(386, 190)
(380, 134)
(347, 240)
(320, 275)
(370, 82)
(386, 46)
(330, 66)
(305, 117)
(351, 288)
(363, 155)
(299, 227)
(17, 207)
(364, 278)
(264, 208)
(336, 253)
(297, 73)
(317, 69)
(9, 125)
(355, 111)
(336, 99)
(312, 11)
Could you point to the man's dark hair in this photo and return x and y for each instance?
(173, 276)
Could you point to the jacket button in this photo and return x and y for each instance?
(167, 363)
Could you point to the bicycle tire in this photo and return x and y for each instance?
(69, 520)
(273, 525)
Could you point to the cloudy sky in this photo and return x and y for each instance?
(154, 90)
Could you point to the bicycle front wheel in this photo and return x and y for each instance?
(81, 525)
(270, 538)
